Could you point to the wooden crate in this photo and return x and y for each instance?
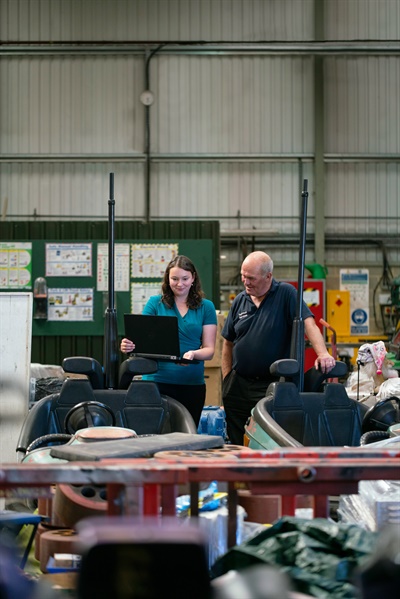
(213, 386)
(216, 361)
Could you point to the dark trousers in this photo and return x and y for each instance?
(239, 396)
(191, 396)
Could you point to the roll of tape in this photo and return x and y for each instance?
(42, 527)
(56, 541)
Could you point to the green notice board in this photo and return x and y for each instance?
(82, 278)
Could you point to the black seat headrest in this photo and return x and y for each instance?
(313, 378)
(87, 366)
(132, 367)
(287, 367)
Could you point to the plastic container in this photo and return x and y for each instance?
(212, 421)
(318, 271)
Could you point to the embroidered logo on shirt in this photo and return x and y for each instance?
(242, 315)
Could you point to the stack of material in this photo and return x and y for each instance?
(376, 505)
(213, 369)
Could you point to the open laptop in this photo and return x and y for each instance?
(155, 337)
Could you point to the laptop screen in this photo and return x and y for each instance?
(156, 335)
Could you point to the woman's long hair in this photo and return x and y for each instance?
(196, 293)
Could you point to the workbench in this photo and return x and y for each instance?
(149, 486)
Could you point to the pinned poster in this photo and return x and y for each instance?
(68, 259)
(16, 265)
(356, 281)
(70, 304)
(149, 260)
(121, 267)
(140, 293)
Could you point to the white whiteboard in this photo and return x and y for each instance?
(15, 360)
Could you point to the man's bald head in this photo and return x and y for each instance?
(259, 260)
(256, 273)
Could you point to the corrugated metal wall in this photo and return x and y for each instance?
(362, 19)
(362, 108)
(70, 189)
(233, 105)
(65, 124)
(71, 104)
(232, 129)
(152, 20)
(240, 195)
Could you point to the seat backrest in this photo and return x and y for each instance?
(340, 422)
(141, 408)
(285, 405)
(47, 416)
(146, 411)
(72, 392)
(315, 419)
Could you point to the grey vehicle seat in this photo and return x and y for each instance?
(140, 407)
(310, 418)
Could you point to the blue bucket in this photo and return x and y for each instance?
(212, 421)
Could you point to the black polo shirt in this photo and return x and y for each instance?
(262, 335)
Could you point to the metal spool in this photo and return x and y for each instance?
(71, 503)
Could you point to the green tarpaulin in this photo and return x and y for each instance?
(320, 556)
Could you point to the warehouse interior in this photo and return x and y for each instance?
(135, 131)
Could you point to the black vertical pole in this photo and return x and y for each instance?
(111, 217)
(110, 325)
(297, 342)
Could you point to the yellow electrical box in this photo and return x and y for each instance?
(338, 311)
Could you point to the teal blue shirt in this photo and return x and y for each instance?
(190, 329)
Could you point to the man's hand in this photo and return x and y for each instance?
(325, 362)
(227, 356)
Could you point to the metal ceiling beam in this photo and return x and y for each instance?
(196, 158)
(312, 48)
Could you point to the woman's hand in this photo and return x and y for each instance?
(127, 346)
(189, 355)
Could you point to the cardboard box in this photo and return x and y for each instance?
(213, 380)
(216, 361)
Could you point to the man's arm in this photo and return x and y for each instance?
(324, 362)
(226, 359)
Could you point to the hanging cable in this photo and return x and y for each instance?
(384, 281)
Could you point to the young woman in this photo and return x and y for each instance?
(182, 296)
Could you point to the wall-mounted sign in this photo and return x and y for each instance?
(16, 265)
(356, 281)
(121, 267)
(140, 293)
(149, 260)
(70, 304)
(68, 259)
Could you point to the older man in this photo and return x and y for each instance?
(257, 332)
